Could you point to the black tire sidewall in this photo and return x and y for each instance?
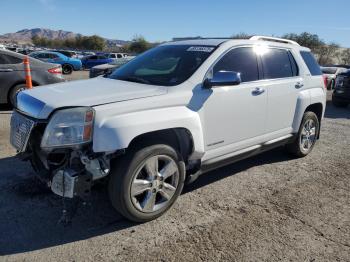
(14, 92)
(122, 178)
(307, 116)
(69, 67)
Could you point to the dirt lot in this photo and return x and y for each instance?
(267, 208)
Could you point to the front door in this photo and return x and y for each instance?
(234, 116)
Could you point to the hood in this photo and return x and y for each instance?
(41, 101)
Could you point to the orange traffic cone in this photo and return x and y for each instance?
(26, 64)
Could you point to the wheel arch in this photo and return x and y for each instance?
(316, 108)
(314, 100)
(179, 138)
(113, 133)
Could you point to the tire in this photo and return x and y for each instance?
(338, 103)
(134, 199)
(67, 69)
(306, 137)
(14, 92)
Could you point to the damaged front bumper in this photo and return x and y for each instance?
(69, 172)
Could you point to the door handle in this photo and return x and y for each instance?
(6, 70)
(258, 91)
(299, 85)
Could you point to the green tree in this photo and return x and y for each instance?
(306, 39)
(241, 35)
(326, 53)
(96, 42)
(80, 42)
(36, 40)
(323, 51)
(345, 56)
(138, 45)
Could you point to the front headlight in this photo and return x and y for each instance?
(69, 127)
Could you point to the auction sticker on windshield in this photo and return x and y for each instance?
(201, 49)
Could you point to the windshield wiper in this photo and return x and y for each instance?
(134, 79)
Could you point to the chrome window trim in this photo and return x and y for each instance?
(251, 46)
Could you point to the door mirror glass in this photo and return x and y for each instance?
(223, 78)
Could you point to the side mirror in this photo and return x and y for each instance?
(223, 78)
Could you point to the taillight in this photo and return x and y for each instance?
(56, 70)
(325, 81)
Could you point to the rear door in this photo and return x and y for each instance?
(283, 86)
(91, 62)
(11, 71)
(102, 60)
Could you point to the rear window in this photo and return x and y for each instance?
(277, 63)
(311, 63)
(7, 59)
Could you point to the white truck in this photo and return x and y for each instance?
(177, 111)
(117, 56)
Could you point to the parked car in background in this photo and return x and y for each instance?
(82, 54)
(2, 47)
(331, 73)
(24, 51)
(94, 60)
(12, 77)
(117, 55)
(68, 53)
(106, 69)
(341, 93)
(68, 64)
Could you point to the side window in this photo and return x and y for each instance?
(6, 59)
(42, 55)
(277, 64)
(311, 63)
(295, 68)
(241, 60)
(119, 55)
(53, 56)
(93, 57)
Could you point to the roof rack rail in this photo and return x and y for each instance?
(276, 39)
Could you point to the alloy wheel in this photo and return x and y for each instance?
(154, 183)
(308, 135)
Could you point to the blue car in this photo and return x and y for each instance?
(68, 64)
(95, 60)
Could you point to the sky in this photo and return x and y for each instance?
(161, 20)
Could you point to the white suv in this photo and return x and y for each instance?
(174, 112)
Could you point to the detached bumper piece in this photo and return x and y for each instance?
(69, 183)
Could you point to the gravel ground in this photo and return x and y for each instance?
(266, 208)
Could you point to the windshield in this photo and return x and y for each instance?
(167, 65)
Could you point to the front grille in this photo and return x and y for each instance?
(21, 128)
